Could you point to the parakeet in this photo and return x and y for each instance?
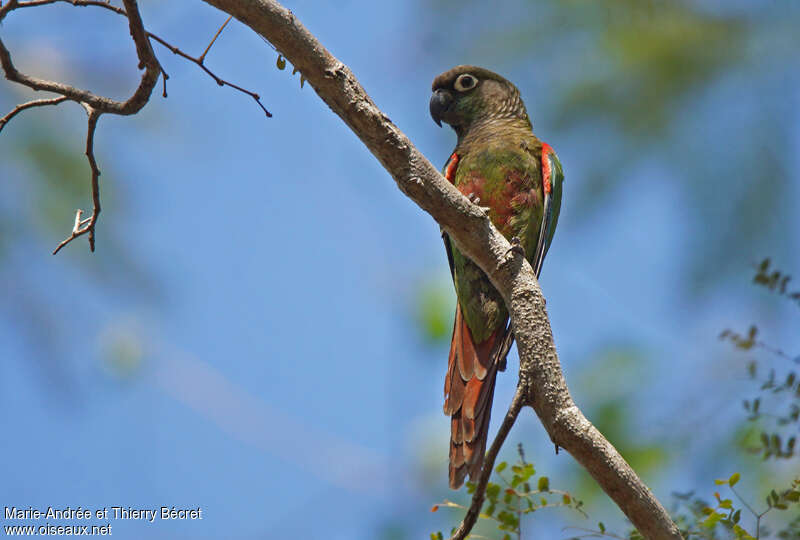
(499, 163)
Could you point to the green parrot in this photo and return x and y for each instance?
(499, 163)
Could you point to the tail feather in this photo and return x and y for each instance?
(453, 385)
(469, 390)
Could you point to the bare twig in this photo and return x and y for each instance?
(100, 3)
(29, 105)
(757, 515)
(103, 104)
(82, 227)
(593, 534)
(175, 50)
(94, 104)
(164, 78)
(199, 61)
(221, 28)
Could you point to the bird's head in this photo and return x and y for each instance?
(466, 96)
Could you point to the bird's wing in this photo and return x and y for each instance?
(552, 180)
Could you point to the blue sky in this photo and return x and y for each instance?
(244, 340)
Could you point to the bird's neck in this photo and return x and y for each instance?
(482, 131)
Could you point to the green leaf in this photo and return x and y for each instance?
(752, 332)
(501, 467)
(727, 504)
(566, 498)
(712, 520)
(492, 491)
(281, 62)
(528, 471)
(508, 519)
(734, 479)
(720, 481)
(544, 484)
(601, 527)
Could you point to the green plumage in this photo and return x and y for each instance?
(500, 164)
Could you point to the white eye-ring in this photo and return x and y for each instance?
(465, 82)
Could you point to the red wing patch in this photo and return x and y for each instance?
(450, 168)
(546, 170)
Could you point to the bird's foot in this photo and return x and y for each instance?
(474, 199)
(516, 247)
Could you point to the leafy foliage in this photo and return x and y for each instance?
(515, 492)
(780, 386)
(775, 280)
(725, 516)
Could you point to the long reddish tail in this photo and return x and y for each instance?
(468, 390)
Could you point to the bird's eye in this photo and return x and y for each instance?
(465, 82)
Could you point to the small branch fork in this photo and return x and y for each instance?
(97, 105)
(199, 61)
(83, 226)
(29, 105)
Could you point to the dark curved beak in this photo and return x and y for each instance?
(440, 103)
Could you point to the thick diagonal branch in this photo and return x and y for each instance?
(472, 230)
